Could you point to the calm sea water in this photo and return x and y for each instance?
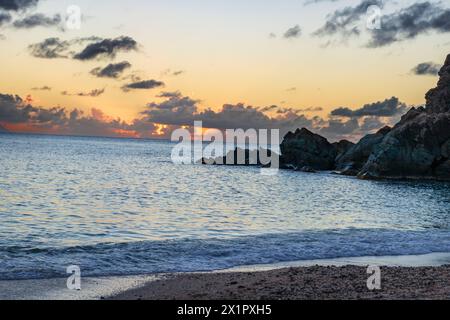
(120, 207)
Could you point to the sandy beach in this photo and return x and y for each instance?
(300, 283)
(402, 277)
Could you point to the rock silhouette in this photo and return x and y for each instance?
(303, 149)
(241, 157)
(352, 161)
(418, 147)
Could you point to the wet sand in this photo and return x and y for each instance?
(402, 277)
(300, 283)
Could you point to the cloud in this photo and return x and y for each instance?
(17, 113)
(4, 18)
(293, 32)
(37, 20)
(308, 2)
(410, 22)
(311, 109)
(387, 108)
(370, 124)
(43, 88)
(113, 70)
(174, 111)
(17, 5)
(93, 93)
(404, 24)
(54, 48)
(167, 94)
(354, 124)
(146, 84)
(106, 48)
(13, 109)
(340, 128)
(50, 48)
(169, 72)
(345, 21)
(180, 110)
(427, 69)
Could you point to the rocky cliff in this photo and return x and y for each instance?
(352, 161)
(418, 147)
(304, 150)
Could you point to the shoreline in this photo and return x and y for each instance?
(299, 283)
(234, 282)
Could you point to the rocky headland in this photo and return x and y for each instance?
(418, 147)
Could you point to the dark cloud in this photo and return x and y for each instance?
(180, 110)
(406, 23)
(17, 5)
(269, 108)
(50, 48)
(106, 48)
(113, 70)
(410, 22)
(387, 108)
(14, 110)
(146, 84)
(370, 124)
(345, 123)
(293, 32)
(4, 18)
(93, 93)
(53, 48)
(37, 20)
(344, 21)
(338, 128)
(172, 73)
(166, 94)
(426, 68)
(43, 88)
(311, 109)
(176, 110)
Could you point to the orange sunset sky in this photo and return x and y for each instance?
(142, 68)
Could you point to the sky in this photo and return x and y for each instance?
(143, 68)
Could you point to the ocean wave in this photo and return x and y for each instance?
(186, 255)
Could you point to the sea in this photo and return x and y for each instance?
(122, 207)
